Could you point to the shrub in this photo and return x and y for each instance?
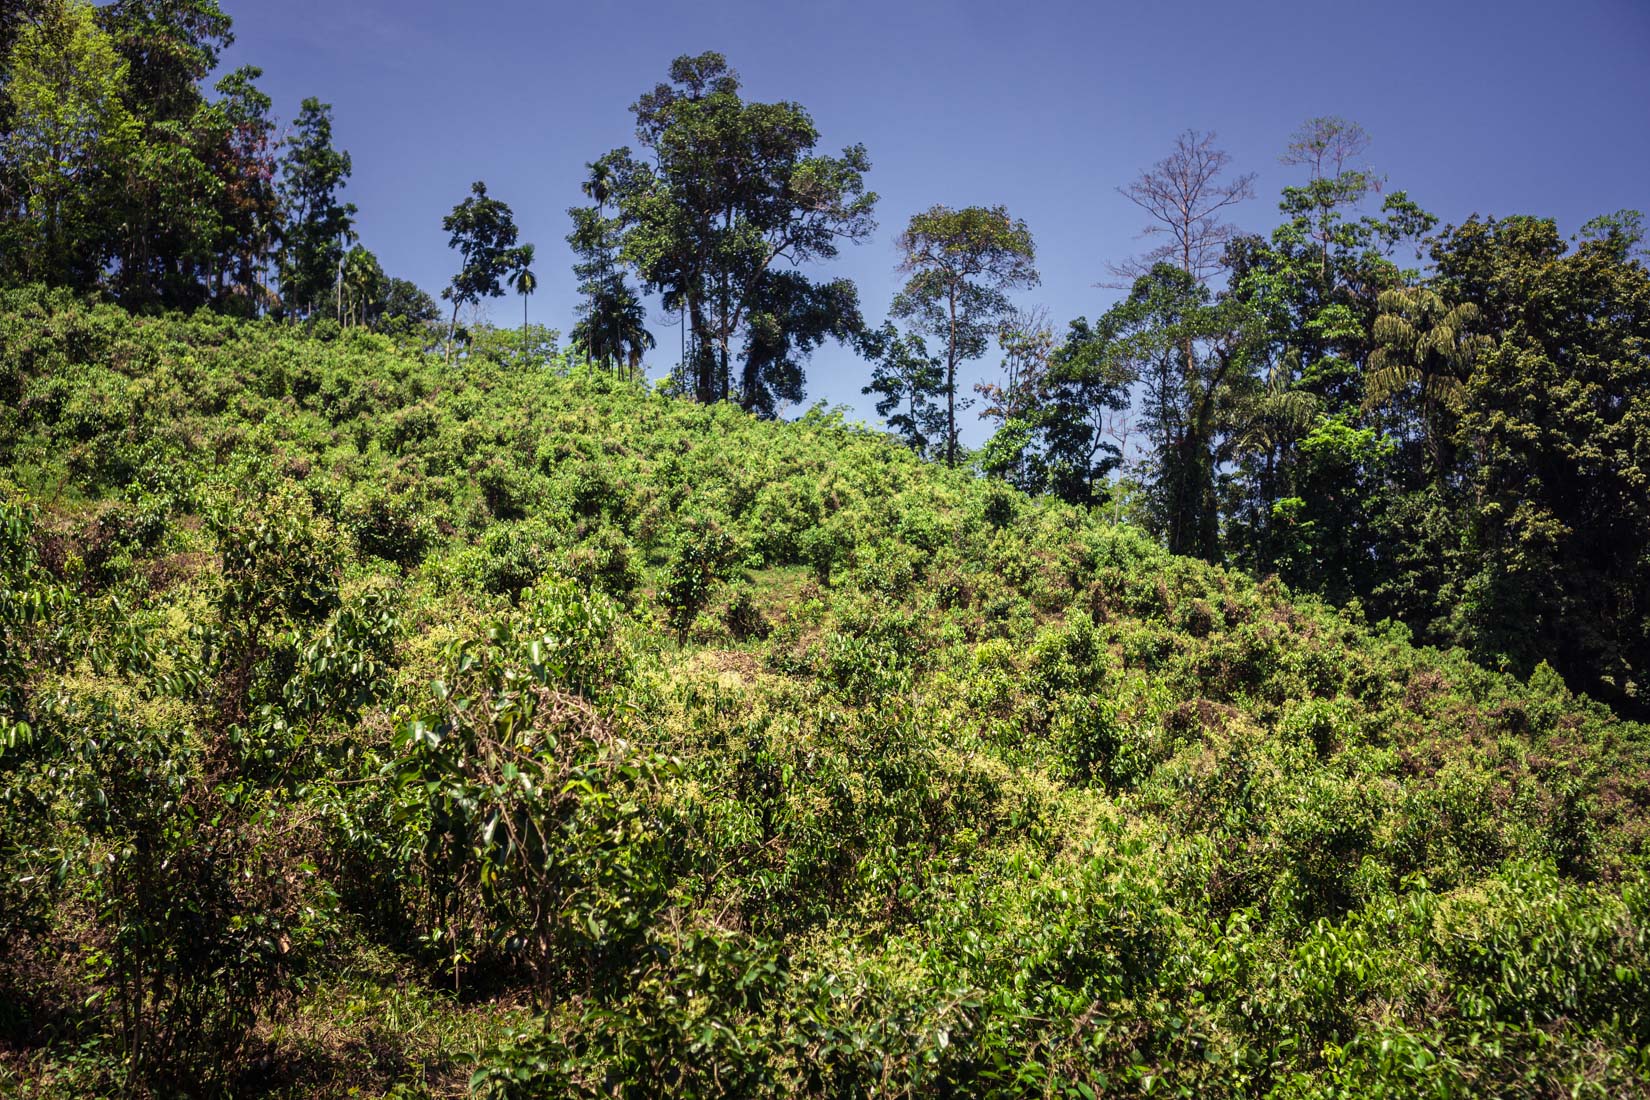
(541, 843)
(700, 559)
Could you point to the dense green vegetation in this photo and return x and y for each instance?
(1461, 445)
(396, 705)
(373, 723)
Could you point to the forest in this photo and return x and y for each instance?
(395, 703)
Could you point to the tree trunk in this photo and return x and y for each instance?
(722, 386)
(704, 365)
(951, 384)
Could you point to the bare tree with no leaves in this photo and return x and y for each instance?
(1184, 194)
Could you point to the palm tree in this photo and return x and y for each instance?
(630, 330)
(524, 282)
(599, 187)
(613, 330)
(360, 283)
(1423, 342)
(1270, 419)
(1276, 414)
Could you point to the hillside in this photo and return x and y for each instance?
(373, 724)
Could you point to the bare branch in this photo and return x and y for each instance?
(1184, 193)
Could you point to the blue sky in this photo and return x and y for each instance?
(1487, 106)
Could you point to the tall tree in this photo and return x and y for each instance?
(1062, 402)
(170, 199)
(1555, 429)
(1423, 356)
(732, 189)
(484, 232)
(612, 325)
(171, 46)
(1331, 149)
(402, 307)
(524, 283)
(319, 227)
(1015, 403)
(1184, 194)
(359, 286)
(1190, 354)
(69, 136)
(1314, 286)
(790, 316)
(14, 17)
(961, 265)
(249, 204)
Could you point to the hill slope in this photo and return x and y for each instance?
(369, 724)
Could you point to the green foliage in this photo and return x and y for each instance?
(729, 189)
(908, 383)
(961, 264)
(188, 887)
(612, 320)
(700, 559)
(372, 723)
(318, 226)
(539, 838)
(483, 230)
(62, 134)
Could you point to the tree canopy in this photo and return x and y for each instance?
(962, 264)
(730, 201)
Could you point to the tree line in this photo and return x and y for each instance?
(1461, 445)
(122, 171)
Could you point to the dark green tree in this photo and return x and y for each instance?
(791, 316)
(402, 307)
(1191, 355)
(484, 232)
(169, 221)
(1070, 415)
(318, 227)
(612, 325)
(909, 384)
(171, 46)
(1555, 426)
(1314, 286)
(730, 191)
(249, 206)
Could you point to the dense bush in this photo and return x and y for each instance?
(367, 724)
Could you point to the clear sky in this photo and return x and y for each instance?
(1487, 106)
